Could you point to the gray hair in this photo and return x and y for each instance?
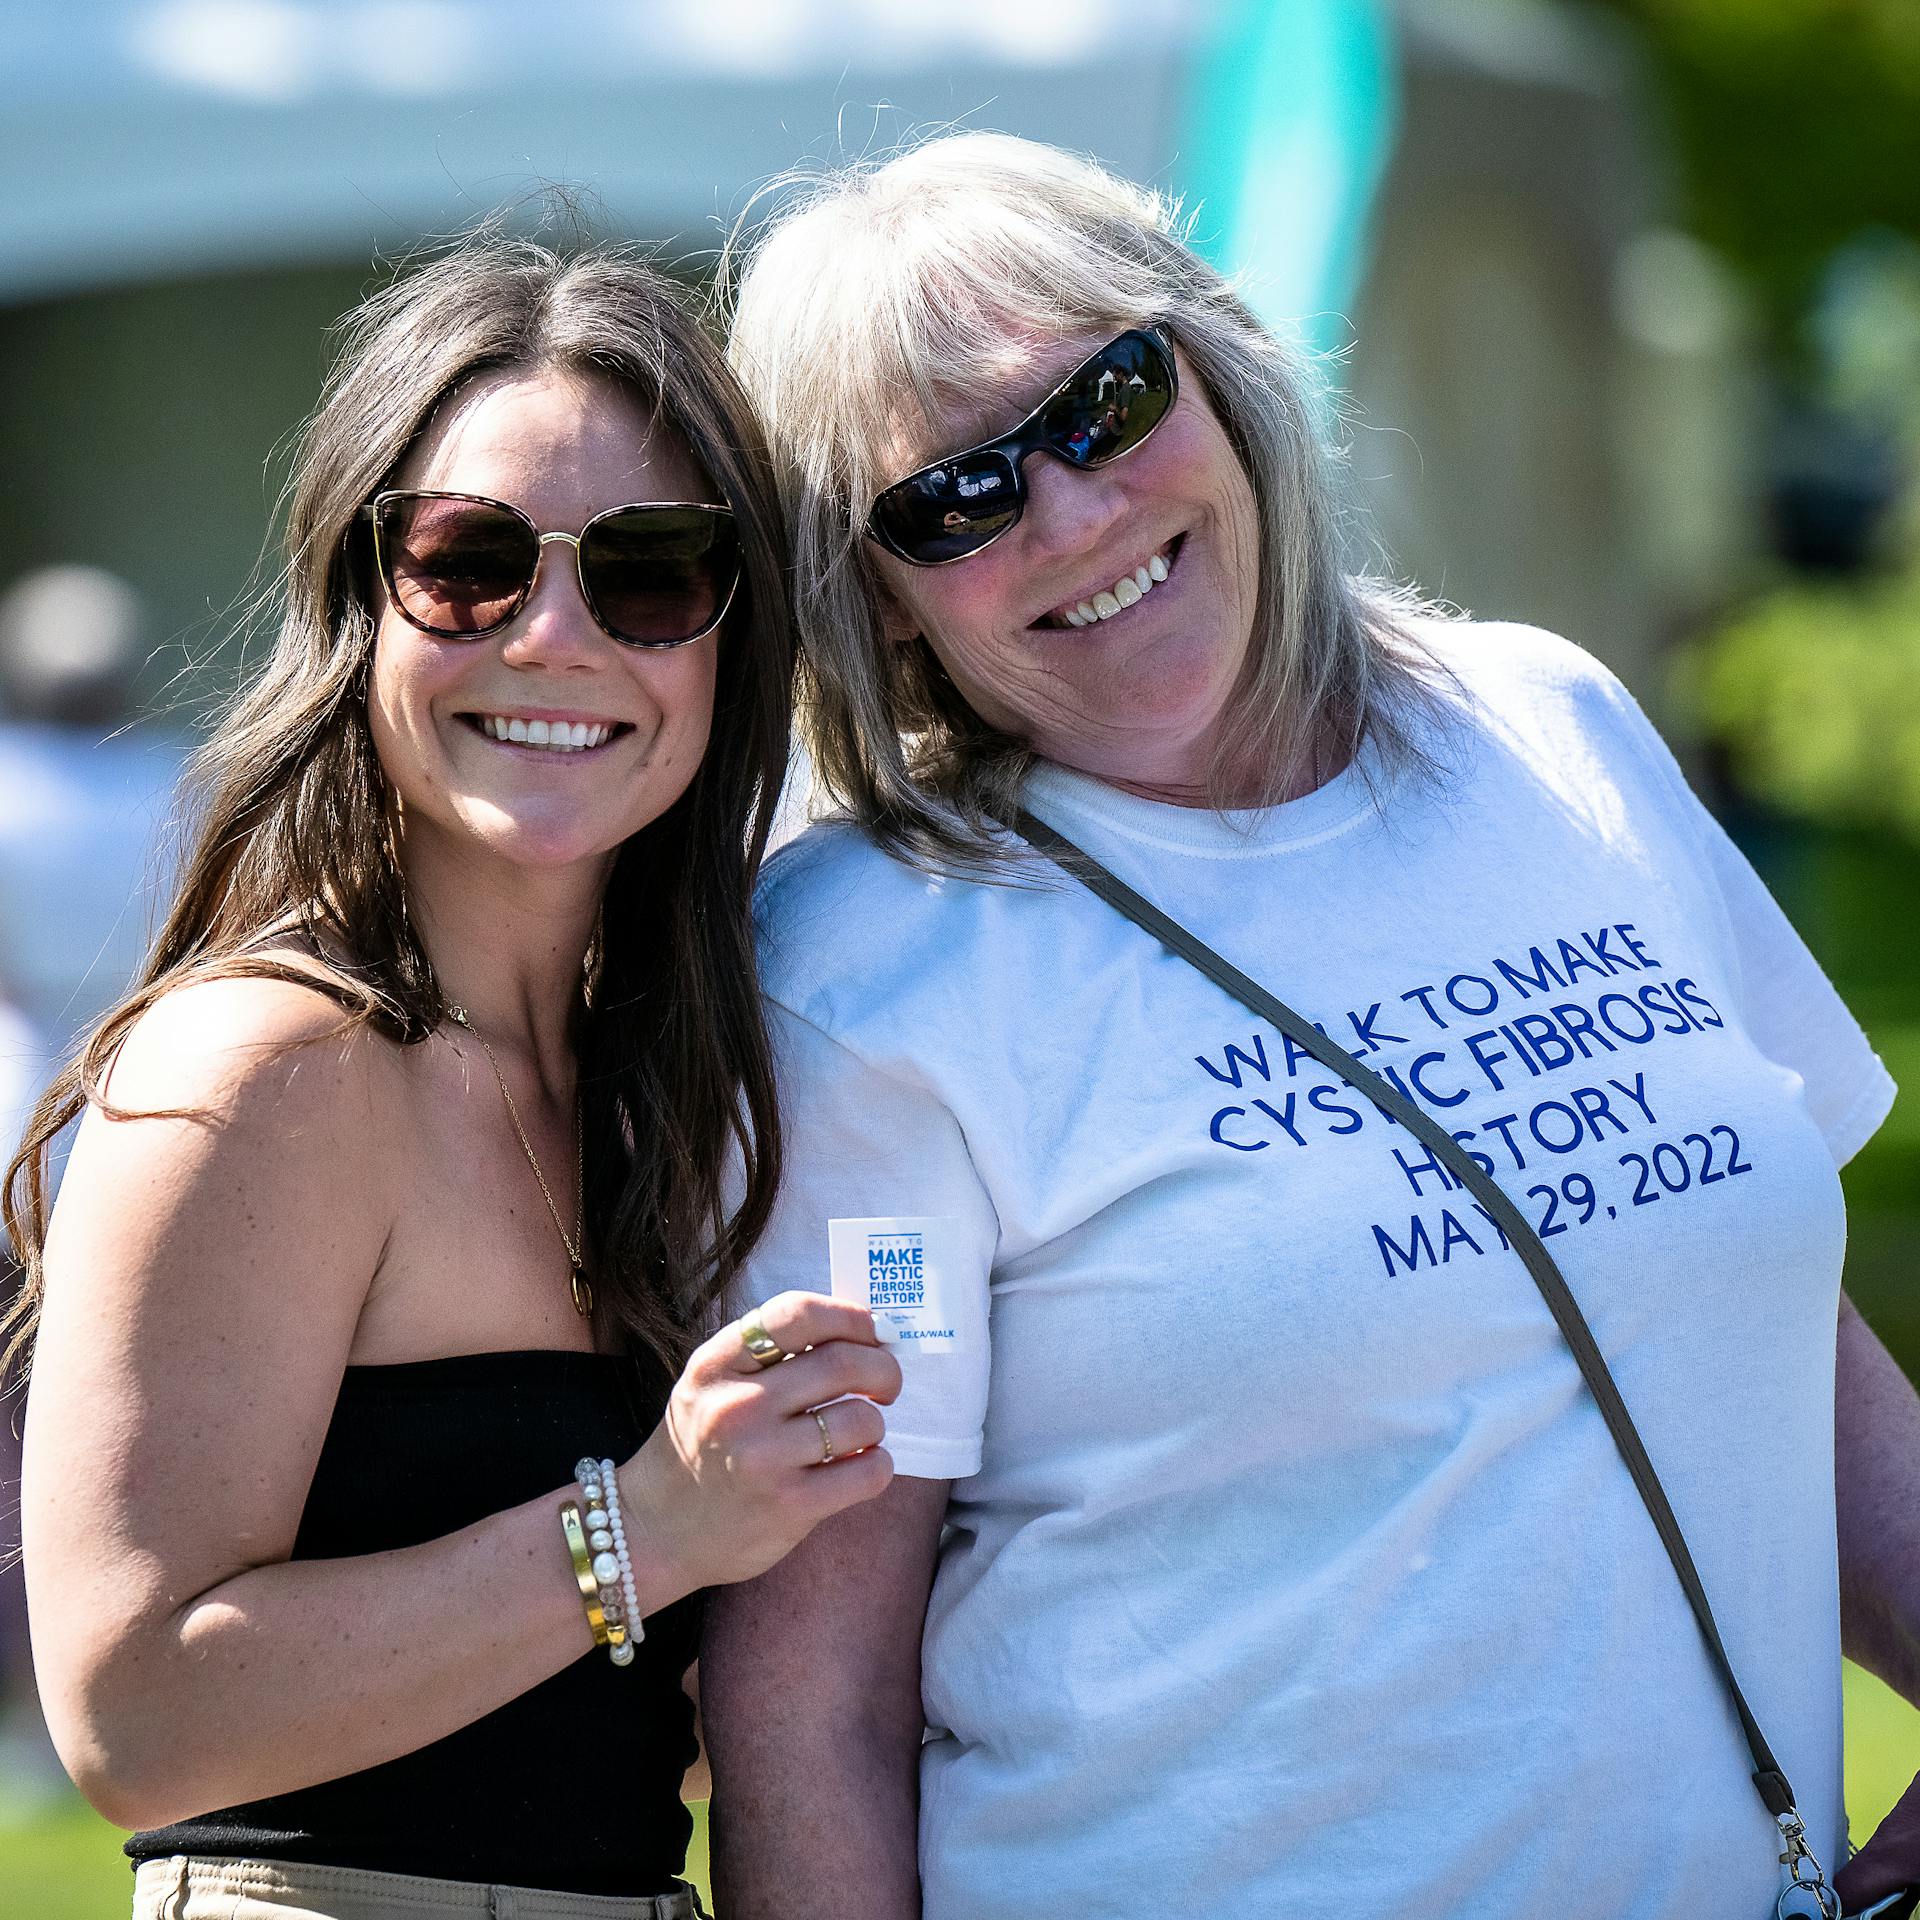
(863, 314)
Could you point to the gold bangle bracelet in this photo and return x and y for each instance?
(583, 1572)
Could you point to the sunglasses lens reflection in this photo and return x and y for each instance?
(658, 576)
(951, 510)
(1114, 402)
(455, 566)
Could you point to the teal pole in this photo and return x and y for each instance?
(1287, 129)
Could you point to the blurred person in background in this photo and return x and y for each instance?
(375, 1291)
(1256, 1546)
(84, 795)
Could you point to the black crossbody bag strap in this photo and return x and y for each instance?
(1774, 1789)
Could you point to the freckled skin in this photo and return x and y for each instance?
(1138, 701)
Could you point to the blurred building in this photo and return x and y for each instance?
(1463, 198)
(1556, 414)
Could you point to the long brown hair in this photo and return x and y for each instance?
(291, 816)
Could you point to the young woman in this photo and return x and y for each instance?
(363, 1510)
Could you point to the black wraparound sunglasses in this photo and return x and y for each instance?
(460, 566)
(961, 505)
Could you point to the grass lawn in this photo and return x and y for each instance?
(70, 1867)
(1883, 1750)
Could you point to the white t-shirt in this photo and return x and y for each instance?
(1290, 1567)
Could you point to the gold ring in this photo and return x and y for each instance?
(826, 1439)
(762, 1348)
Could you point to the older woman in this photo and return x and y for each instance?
(1258, 1547)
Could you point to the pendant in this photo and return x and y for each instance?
(582, 1295)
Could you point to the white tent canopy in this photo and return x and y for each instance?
(146, 138)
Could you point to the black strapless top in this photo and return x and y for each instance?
(576, 1784)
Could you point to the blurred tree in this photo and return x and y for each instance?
(1795, 129)
(1797, 124)
(1814, 692)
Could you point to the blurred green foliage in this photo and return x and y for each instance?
(1796, 124)
(1795, 129)
(1814, 693)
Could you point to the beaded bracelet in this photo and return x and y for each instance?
(629, 1592)
(612, 1567)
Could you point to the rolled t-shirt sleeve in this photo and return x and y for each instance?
(859, 1143)
(1788, 1005)
(1791, 1008)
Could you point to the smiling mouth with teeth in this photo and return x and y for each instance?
(1127, 591)
(555, 736)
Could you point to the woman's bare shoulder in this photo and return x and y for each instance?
(282, 1033)
(247, 1130)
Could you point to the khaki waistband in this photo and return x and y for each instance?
(191, 1888)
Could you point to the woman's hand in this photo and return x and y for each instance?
(1888, 1862)
(737, 1473)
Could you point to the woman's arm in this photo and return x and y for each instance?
(811, 1699)
(1876, 1435)
(204, 1278)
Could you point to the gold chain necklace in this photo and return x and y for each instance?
(577, 1276)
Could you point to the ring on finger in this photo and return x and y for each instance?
(826, 1437)
(762, 1348)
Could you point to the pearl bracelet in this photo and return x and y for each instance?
(629, 1592)
(612, 1564)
